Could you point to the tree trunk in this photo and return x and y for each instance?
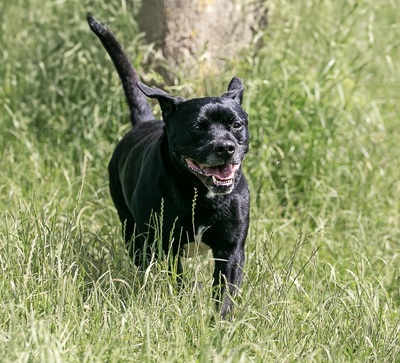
(200, 35)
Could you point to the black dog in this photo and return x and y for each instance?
(186, 171)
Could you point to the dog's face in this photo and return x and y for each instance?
(207, 136)
(210, 140)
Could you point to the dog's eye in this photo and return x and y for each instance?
(237, 125)
(199, 125)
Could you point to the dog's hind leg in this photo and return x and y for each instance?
(125, 216)
(135, 245)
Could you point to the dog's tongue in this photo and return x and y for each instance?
(221, 172)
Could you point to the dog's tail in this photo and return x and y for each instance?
(137, 101)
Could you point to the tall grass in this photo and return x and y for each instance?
(321, 274)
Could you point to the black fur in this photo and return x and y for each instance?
(192, 158)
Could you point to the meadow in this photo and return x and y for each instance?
(323, 252)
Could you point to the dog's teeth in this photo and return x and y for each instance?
(221, 182)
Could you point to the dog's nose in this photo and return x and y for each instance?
(225, 148)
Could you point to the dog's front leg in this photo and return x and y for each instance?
(228, 275)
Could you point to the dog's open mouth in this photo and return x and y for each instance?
(219, 178)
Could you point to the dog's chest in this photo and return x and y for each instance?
(197, 247)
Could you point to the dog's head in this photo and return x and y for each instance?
(207, 136)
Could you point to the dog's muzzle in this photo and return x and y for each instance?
(219, 179)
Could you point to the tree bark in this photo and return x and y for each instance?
(200, 34)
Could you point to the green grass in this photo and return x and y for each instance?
(323, 254)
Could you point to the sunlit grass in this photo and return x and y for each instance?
(321, 275)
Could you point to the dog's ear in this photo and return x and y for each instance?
(235, 90)
(167, 102)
